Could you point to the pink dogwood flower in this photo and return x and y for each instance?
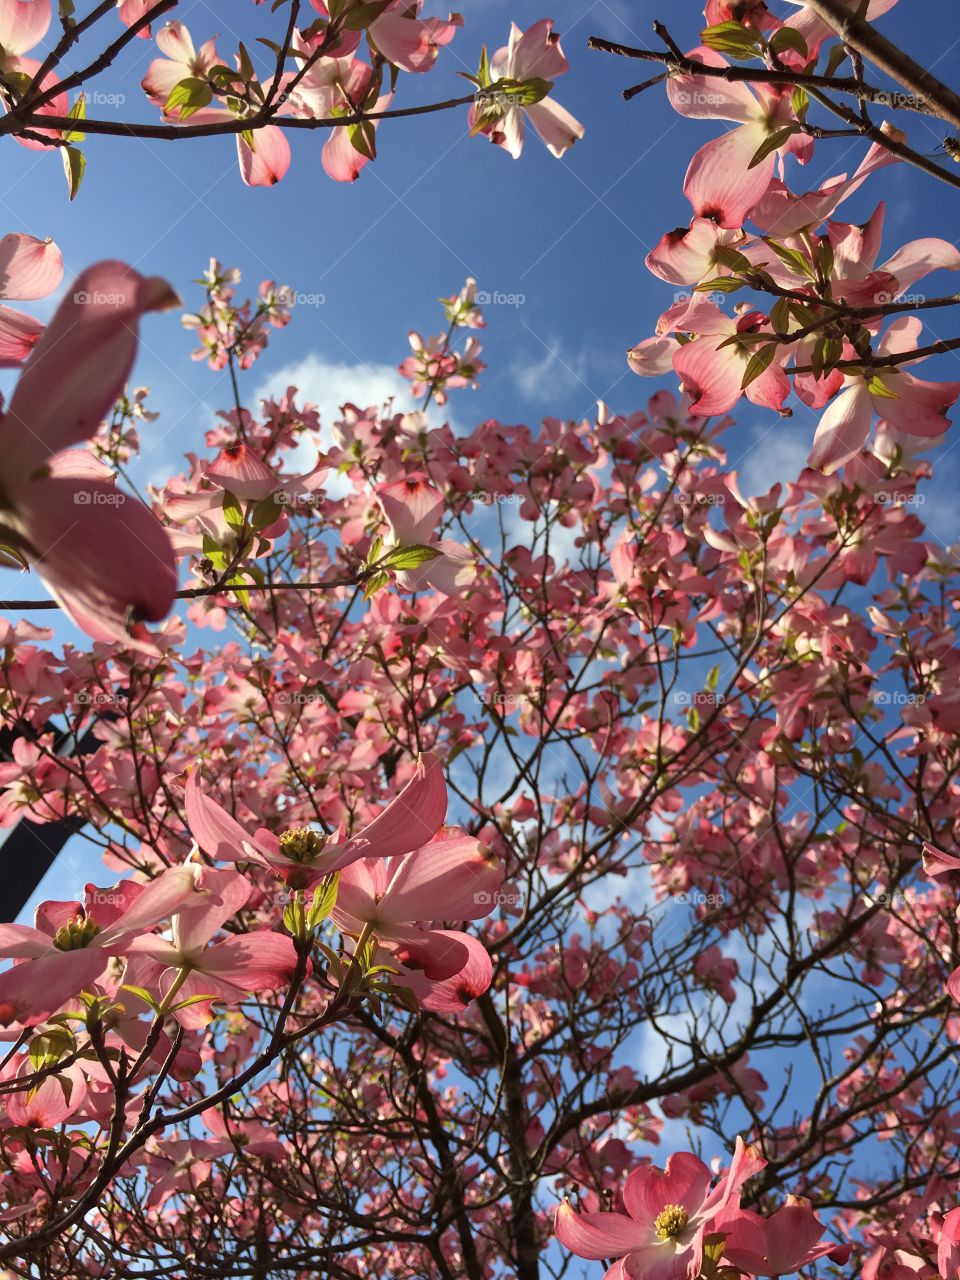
(533, 55)
(454, 877)
(70, 944)
(412, 508)
(102, 555)
(779, 1245)
(29, 269)
(720, 182)
(263, 159)
(906, 403)
(669, 1211)
(302, 857)
(185, 967)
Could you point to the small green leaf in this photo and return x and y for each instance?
(773, 143)
(188, 96)
(758, 363)
(877, 387)
(409, 557)
(374, 583)
(74, 167)
(324, 900)
(232, 511)
(720, 284)
(732, 39)
(789, 38)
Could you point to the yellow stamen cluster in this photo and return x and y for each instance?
(76, 934)
(670, 1221)
(301, 844)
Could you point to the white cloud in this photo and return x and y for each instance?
(554, 369)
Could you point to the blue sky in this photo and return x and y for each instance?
(567, 236)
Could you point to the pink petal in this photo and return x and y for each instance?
(259, 961)
(709, 98)
(218, 835)
(556, 128)
(937, 863)
(596, 1236)
(412, 508)
(711, 375)
(19, 334)
(131, 11)
(264, 164)
(33, 991)
(412, 817)
(175, 42)
(918, 258)
(240, 471)
(446, 880)
(29, 268)
(80, 366)
(842, 429)
(103, 555)
(684, 256)
(221, 895)
(719, 184)
(23, 23)
(920, 408)
(20, 941)
(537, 53)
(684, 1181)
(340, 160)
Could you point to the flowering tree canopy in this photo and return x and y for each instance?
(525, 853)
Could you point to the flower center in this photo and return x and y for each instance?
(76, 934)
(301, 844)
(670, 1221)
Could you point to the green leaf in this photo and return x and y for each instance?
(791, 258)
(758, 363)
(780, 315)
(409, 557)
(773, 143)
(74, 167)
(788, 38)
(374, 583)
(877, 387)
(713, 678)
(77, 112)
(232, 511)
(720, 284)
(143, 994)
(361, 15)
(363, 138)
(188, 96)
(732, 39)
(799, 99)
(324, 900)
(731, 258)
(837, 54)
(265, 513)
